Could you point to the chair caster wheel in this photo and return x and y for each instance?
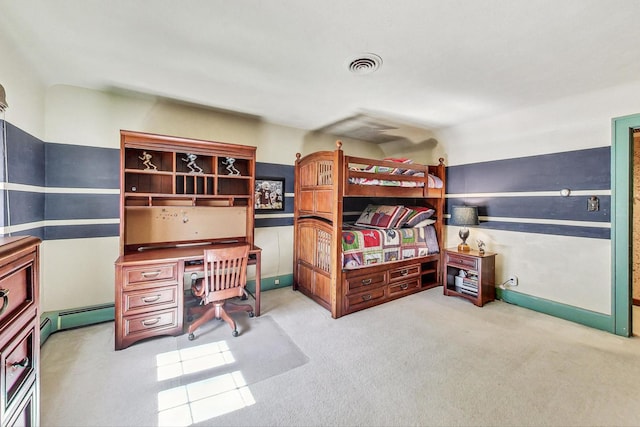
(235, 333)
(191, 337)
(251, 314)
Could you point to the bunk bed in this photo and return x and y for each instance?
(346, 267)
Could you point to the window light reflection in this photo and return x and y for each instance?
(203, 400)
(176, 363)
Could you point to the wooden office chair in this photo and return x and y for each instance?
(225, 277)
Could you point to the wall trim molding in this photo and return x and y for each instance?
(621, 220)
(589, 318)
(56, 321)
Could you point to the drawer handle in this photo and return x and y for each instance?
(404, 272)
(150, 322)
(150, 299)
(148, 274)
(4, 293)
(404, 286)
(366, 281)
(21, 364)
(366, 297)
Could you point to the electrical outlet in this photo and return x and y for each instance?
(513, 280)
(276, 282)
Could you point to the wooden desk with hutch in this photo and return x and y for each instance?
(178, 196)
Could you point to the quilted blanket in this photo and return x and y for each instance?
(362, 247)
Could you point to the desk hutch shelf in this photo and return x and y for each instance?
(174, 192)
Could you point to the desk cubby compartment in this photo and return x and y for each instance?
(135, 159)
(148, 182)
(228, 166)
(186, 163)
(194, 184)
(234, 184)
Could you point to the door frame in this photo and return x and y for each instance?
(621, 221)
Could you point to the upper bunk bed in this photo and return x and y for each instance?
(326, 177)
(406, 260)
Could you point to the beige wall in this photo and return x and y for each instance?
(568, 270)
(79, 272)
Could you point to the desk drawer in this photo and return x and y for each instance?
(149, 275)
(151, 323)
(462, 261)
(149, 299)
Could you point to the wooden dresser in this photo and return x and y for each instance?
(19, 331)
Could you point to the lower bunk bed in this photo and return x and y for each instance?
(391, 251)
(351, 285)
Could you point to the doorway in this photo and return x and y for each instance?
(622, 200)
(635, 237)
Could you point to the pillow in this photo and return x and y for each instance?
(403, 215)
(425, 222)
(387, 169)
(379, 216)
(417, 215)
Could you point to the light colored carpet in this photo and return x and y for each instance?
(426, 359)
(161, 381)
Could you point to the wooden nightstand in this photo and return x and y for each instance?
(477, 282)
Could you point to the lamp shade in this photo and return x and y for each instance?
(464, 215)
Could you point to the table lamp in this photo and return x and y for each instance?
(464, 216)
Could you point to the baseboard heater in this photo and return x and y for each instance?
(54, 321)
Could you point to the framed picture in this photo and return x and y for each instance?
(269, 194)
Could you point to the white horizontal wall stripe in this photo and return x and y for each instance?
(56, 190)
(65, 222)
(274, 215)
(530, 194)
(548, 221)
(541, 221)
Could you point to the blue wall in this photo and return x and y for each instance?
(72, 183)
(581, 171)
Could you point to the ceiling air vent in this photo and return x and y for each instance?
(365, 64)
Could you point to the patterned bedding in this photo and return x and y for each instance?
(362, 247)
(432, 182)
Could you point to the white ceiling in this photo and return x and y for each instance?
(444, 62)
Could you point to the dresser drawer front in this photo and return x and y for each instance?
(404, 272)
(150, 275)
(19, 360)
(463, 261)
(150, 299)
(17, 287)
(361, 283)
(401, 288)
(365, 299)
(151, 322)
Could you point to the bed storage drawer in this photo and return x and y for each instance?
(364, 299)
(401, 288)
(402, 273)
(364, 282)
(461, 261)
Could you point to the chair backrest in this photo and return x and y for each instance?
(225, 272)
